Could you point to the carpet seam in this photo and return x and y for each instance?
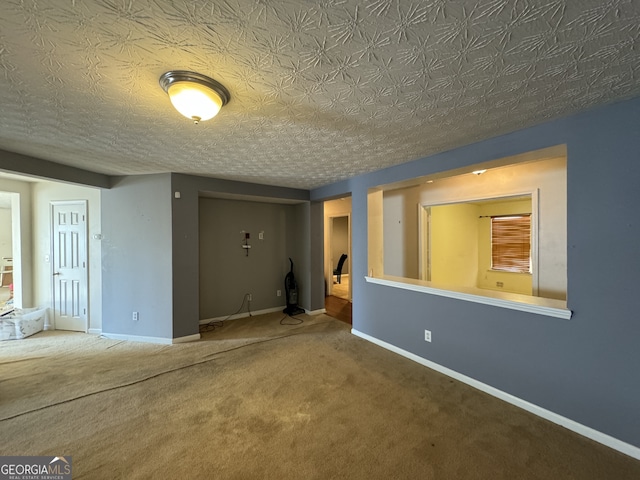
(63, 402)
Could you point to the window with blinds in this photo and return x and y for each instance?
(511, 243)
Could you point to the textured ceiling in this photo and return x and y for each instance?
(321, 90)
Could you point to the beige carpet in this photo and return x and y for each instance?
(341, 289)
(256, 399)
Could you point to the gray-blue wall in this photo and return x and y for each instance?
(586, 368)
(136, 256)
(185, 236)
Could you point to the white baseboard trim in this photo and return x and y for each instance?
(189, 338)
(242, 315)
(158, 340)
(315, 312)
(138, 338)
(95, 331)
(567, 423)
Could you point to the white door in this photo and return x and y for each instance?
(69, 251)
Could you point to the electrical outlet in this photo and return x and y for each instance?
(250, 297)
(427, 335)
(278, 293)
(135, 317)
(499, 284)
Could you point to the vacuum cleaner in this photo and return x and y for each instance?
(291, 291)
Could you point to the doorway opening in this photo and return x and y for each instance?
(337, 261)
(10, 252)
(339, 253)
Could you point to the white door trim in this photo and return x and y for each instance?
(349, 257)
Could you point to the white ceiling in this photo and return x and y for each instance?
(321, 90)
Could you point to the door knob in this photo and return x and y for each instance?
(56, 273)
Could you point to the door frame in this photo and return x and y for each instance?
(330, 219)
(85, 275)
(424, 232)
(424, 242)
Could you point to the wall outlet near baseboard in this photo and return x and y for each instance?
(249, 297)
(427, 335)
(278, 293)
(135, 317)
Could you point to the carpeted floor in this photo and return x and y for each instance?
(257, 399)
(341, 289)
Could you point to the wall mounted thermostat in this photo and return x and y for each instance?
(246, 245)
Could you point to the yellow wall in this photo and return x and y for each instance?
(454, 245)
(546, 178)
(549, 179)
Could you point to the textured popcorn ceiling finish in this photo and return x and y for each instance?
(321, 90)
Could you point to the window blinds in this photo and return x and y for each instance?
(511, 243)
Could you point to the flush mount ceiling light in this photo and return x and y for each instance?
(479, 172)
(195, 96)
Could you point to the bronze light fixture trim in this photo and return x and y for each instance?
(194, 95)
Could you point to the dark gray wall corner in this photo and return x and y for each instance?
(285, 229)
(31, 166)
(228, 271)
(151, 250)
(316, 265)
(184, 255)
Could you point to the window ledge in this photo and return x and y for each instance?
(491, 270)
(524, 303)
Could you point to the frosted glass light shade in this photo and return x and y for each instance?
(195, 96)
(194, 101)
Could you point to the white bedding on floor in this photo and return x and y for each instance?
(22, 323)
